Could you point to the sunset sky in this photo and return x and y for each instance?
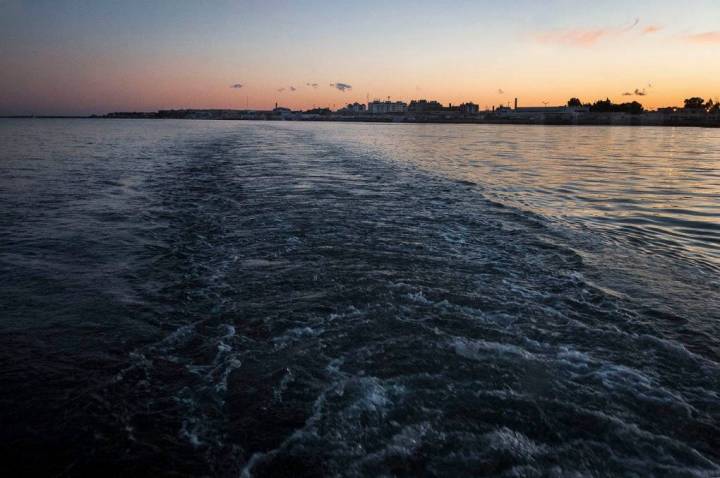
(95, 56)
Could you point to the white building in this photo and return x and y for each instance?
(536, 112)
(386, 107)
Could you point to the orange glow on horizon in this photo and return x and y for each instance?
(95, 61)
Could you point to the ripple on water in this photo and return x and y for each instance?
(345, 300)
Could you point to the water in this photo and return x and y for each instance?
(291, 299)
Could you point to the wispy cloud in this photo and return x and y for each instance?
(280, 90)
(635, 23)
(341, 86)
(314, 85)
(651, 29)
(572, 37)
(501, 91)
(705, 37)
(292, 88)
(583, 36)
(637, 92)
(236, 86)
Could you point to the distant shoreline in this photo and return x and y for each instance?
(47, 117)
(601, 120)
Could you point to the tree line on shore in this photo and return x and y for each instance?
(634, 107)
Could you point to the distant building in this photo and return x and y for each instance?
(282, 112)
(319, 111)
(424, 106)
(354, 108)
(469, 108)
(386, 107)
(542, 109)
(692, 111)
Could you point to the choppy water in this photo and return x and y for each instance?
(283, 299)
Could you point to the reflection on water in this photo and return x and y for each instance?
(657, 186)
(282, 299)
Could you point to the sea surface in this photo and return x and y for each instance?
(199, 298)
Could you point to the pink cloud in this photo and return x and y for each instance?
(583, 37)
(651, 29)
(573, 37)
(705, 37)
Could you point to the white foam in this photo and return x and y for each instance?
(514, 442)
(418, 297)
(479, 349)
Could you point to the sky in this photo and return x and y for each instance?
(98, 56)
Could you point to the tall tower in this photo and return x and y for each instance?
(515, 103)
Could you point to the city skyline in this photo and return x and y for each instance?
(79, 57)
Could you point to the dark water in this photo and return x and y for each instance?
(271, 299)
